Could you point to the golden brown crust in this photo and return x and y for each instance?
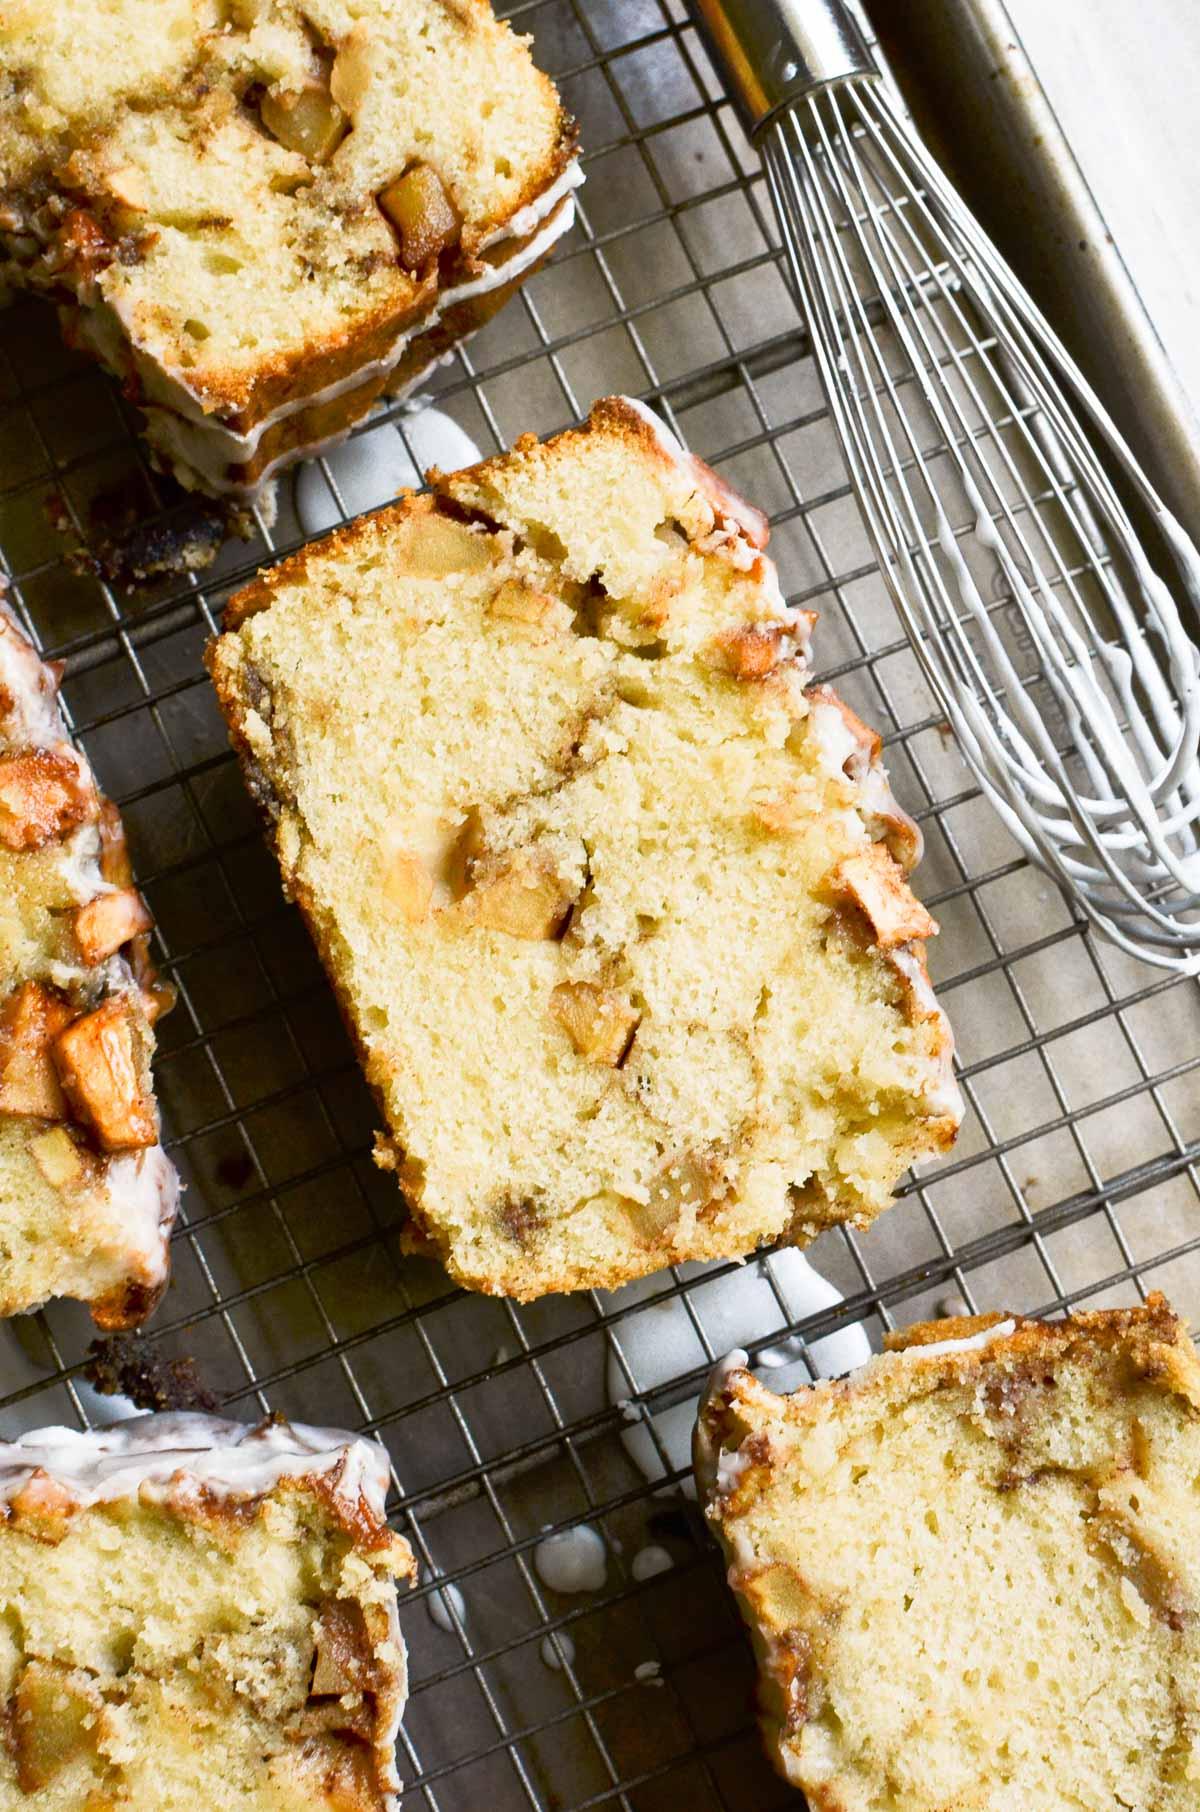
(761, 656)
(1152, 1337)
(259, 594)
(242, 402)
(1084, 1425)
(950, 1327)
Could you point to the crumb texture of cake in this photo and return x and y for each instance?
(196, 1613)
(971, 1570)
(87, 1194)
(614, 900)
(263, 214)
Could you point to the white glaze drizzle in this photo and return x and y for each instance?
(943, 1095)
(81, 864)
(710, 1462)
(967, 1343)
(557, 1651)
(835, 742)
(144, 1187)
(175, 1454)
(572, 1560)
(33, 716)
(446, 1606)
(523, 222)
(649, 1561)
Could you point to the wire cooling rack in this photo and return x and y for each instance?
(1074, 1181)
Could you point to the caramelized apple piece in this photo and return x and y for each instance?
(422, 213)
(81, 247)
(31, 1020)
(517, 602)
(874, 880)
(751, 653)
(307, 120)
(327, 1771)
(466, 853)
(44, 794)
(444, 546)
(686, 1183)
(109, 921)
(681, 1190)
(43, 1508)
(729, 506)
(101, 1062)
(157, 997)
(598, 1021)
(352, 71)
(408, 884)
(55, 1716)
(343, 1661)
(524, 897)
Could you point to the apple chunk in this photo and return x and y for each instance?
(101, 1062)
(31, 1020)
(598, 1021)
(44, 794)
(873, 879)
(307, 120)
(523, 897)
(109, 921)
(423, 215)
(56, 1713)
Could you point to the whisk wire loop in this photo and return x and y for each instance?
(1074, 691)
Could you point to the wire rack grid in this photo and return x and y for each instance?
(1075, 1179)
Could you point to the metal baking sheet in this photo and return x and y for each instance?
(966, 75)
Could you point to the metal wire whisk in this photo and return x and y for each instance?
(981, 460)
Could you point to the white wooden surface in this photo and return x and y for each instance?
(1124, 78)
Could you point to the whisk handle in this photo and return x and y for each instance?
(775, 51)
